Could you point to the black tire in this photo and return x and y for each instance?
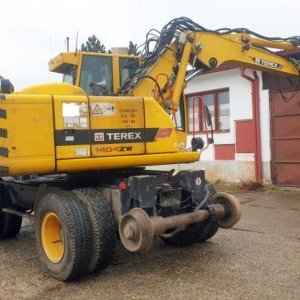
(10, 225)
(103, 227)
(194, 233)
(75, 235)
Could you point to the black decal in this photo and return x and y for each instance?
(4, 151)
(72, 137)
(104, 136)
(3, 132)
(3, 113)
(117, 136)
(4, 171)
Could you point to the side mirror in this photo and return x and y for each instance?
(6, 86)
(207, 116)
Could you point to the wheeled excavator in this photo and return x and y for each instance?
(73, 156)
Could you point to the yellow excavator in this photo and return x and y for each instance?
(73, 155)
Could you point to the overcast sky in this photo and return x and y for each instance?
(34, 31)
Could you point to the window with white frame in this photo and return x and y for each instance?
(217, 102)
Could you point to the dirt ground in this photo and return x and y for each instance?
(258, 259)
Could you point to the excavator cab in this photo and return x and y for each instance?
(99, 74)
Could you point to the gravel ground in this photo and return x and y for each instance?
(258, 259)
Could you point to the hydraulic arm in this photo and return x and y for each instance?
(182, 42)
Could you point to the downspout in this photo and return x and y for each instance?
(257, 128)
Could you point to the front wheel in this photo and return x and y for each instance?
(63, 235)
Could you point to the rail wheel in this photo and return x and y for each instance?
(103, 227)
(10, 225)
(194, 233)
(63, 235)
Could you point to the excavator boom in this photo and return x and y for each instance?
(183, 42)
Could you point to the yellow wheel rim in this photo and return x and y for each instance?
(52, 237)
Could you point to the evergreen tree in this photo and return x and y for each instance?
(133, 49)
(93, 44)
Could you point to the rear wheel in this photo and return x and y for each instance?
(63, 235)
(10, 225)
(194, 233)
(103, 227)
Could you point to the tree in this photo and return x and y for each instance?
(132, 49)
(93, 44)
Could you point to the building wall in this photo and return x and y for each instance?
(240, 97)
(241, 168)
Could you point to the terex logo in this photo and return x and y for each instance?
(267, 63)
(127, 136)
(123, 136)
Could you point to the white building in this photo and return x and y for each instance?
(230, 96)
(256, 127)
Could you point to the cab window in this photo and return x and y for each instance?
(128, 67)
(69, 74)
(96, 75)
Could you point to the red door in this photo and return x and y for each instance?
(285, 140)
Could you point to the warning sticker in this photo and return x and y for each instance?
(101, 109)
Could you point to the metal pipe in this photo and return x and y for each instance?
(160, 224)
(18, 213)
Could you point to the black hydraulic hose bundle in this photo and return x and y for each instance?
(157, 42)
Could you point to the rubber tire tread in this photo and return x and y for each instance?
(77, 233)
(195, 233)
(103, 227)
(10, 224)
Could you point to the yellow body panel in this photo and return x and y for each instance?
(53, 89)
(71, 123)
(117, 124)
(119, 162)
(62, 60)
(60, 133)
(28, 147)
(157, 117)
